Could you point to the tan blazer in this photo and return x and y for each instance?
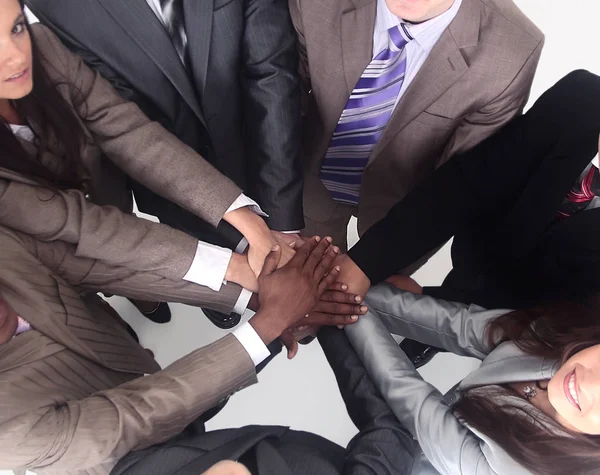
(73, 395)
(117, 131)
(477, 77)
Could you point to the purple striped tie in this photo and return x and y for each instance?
(364, 119)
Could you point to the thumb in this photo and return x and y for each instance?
(271, 261)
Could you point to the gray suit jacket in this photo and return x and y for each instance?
(73, 395)
(134, 145)
(449, 447)
(476, 79)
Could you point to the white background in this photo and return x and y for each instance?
(302, 393)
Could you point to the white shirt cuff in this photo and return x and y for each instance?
(252, 343)
(242, 302)
(242, 201)
(209, 266)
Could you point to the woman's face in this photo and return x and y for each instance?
(15, 52)
(8, 321)
(574, 392)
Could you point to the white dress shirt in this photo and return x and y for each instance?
(425, 35)
(208, 268)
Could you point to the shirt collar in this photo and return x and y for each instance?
(425, 34)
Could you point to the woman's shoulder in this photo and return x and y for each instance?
(51, 49)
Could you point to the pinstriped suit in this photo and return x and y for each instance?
(72, 396)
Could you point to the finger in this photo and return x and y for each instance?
(304, 251)
(289, 341)
(324, 266)
(339, 286)
(271, 261)
(340, 308)
(329, 319)
(318, 253)
(340, 296)
(328, 280)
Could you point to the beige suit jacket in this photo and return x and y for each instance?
(121, 140)
(476, 79)
(73, 395)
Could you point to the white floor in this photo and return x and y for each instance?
(302, 393)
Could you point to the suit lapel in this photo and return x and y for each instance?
(356, 26)
(444, 66)
(139, 21)
(198, 25)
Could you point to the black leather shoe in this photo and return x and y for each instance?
(222, 320)
(418, 353)
(161, 313)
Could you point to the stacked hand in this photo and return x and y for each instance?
(287, 296)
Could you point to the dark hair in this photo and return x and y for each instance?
(529, 436)
(56, 122)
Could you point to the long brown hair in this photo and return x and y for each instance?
(54, 117)
(529, 436)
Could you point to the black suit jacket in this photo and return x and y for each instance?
(500, 200)
(237, 104)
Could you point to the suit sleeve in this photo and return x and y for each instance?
(303, 69)
(137, 145)
(456, 327)
(96, 232)
(450, 447)
(272, 113)
(67, 436)
(488, 178)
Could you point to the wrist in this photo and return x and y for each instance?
(266, 326)
(234, 268)
(252, 226)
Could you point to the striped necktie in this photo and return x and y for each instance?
(172, 13)
(364, 119)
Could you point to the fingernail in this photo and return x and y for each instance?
(317, 238)
(328, 239)
(337, 268)
(344, 287)
(358, 298)
(354, 317)
(336, 249)
(364, 308)
(340, 327)
(275, 248)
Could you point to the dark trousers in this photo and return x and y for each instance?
(382, 447)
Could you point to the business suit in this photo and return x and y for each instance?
(500, 201)
(74, 397)
(448, 447)
(97, 222)
(237, 104)
(476, 78)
